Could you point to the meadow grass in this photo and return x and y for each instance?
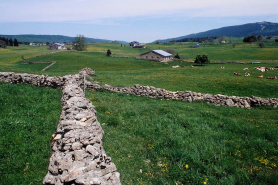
(243, 52)
(28, 117)
(129, 71)
(172, 142)
(11, 55)
(175, 142)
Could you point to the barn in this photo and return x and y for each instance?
(56, 46)
(158, 55)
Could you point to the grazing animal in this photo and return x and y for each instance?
(191, 66)
(272, 77)
(245, 69)
(269, 68)
(222, 67)
(175, 66)
(262, 69)
(247, 74)
(182, 66)
(238, 74)
(261, 76)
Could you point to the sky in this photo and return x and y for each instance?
(130, 20)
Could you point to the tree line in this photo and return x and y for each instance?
(198, 39)
(254, 38)
(8, 42)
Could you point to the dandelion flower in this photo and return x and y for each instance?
(186, 166)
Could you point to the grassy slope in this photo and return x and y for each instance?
(226, 145)
(28, 117)
(12, 55)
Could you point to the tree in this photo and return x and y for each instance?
(11, 43)
(259, 38)
(202, 59)
(261, 44)
(250, 39)
(2, 44)
(177, 56)
(80, 43)
(222, 39)
(268, 37)
(7, 41)
(210, 40)
(108, 53)
(276, 40)
(15, 42)
(170, 50)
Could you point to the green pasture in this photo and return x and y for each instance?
(129, 71)
(172, 142)
(11, 55)
(175, 142)
(28, 117)
(243, 52)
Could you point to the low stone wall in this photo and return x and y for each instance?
(38, 80)
(189, 96)
(78, 156)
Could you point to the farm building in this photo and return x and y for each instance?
(56, 46)
(134, 43)
(159, 55)
(197, 46)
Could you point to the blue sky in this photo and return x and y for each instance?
(128, 20)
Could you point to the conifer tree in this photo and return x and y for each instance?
(11, 43)
(108, 53)
(15, 42)
(177, 56)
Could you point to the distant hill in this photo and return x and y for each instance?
(259, 28)
(51, 38)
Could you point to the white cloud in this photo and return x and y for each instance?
(95, 10)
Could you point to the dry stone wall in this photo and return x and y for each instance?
(78, 156)
(38, 80)
(189, 96)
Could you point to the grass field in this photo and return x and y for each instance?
(129, 71)
(172, 142)
(187, 143)
(28, 117)
(217, 52)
